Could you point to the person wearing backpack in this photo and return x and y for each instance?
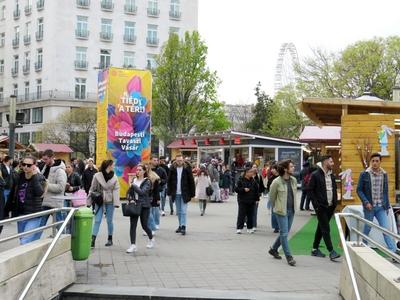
(305, 176)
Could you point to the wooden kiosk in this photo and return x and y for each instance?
(362, 121)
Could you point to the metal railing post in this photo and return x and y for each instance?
(358, 236)
(54, 229)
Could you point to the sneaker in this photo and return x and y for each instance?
(290, 260)
(251, 231)
(163, 213)
(333, 255)
(131, 249)
(254, 229)
(317, 253)
(151, 244)
(239, 231)
(157, 227)
(276, 230)
(274, 253)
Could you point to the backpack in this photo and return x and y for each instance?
(306, 179)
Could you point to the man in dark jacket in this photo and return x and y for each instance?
(163, 194)
(323, 195)
(88, 174)
(7, 174)
(181, 189)
(154, 162)
(29, 191)
(373, 190)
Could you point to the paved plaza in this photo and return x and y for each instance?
(210, 257)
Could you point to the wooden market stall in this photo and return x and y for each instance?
(61, 151)
(366, 124)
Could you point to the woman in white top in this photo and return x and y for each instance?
(202, 181)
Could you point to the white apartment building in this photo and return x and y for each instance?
(51, 50)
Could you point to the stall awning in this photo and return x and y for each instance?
(329, 111)
(58, 148)
(318, 134)
(182, 143)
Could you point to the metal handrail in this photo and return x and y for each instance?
(54, 241)
(359, 243)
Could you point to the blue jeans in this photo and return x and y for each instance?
(274, 221)
(154, 218)
(181, 208)
(60, 216)
(285, 223)
(27, 225)
(380, 214)
(109, 207)
(6, 193)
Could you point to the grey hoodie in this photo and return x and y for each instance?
(329, 186)
(55, 185)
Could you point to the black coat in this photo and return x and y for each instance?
(74, 180)
(34, 194)
(252, 196)
(226, 179)
(317, 189)
(162, 174)
(143, 193)
(87, 178)
(7, 177)
(187, 183)
(261, 187)
(2, 202)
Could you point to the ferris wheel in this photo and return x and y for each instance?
(284, 73)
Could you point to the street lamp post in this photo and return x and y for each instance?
(11, 126)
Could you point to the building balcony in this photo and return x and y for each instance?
(54, 95)
(129, 39)
(27, 39)
(38, 66)
(14, 72)
(128, 66)
(103, 65)
(153, 12)
(15, 43)
(83, 3)
(28, 10)
(152, 42)
(82, 34)
(1, 69)
(130, 9)
(106, 36)
(26, 68)
(107, 5)
(40, 5)
(175, 15)
(16, 14)
(81, 65)
(39, 36)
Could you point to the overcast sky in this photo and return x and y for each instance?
(244, 37)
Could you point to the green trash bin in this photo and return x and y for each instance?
(82, 233)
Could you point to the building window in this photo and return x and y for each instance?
(106, 29)
(1, 66)
(152, 38)
(39, 59)
(38, 88)
(80, 88)
(27, 62)
(129, 59)
(16, 33)
(105, 58)
(130, 7)
(174, 30)
(37, 137)
(129, 32)
(14, 70)
(39, 33)
(152, 8)
(82, 27)
(151, 62)
(26, 90)
(37, 115)
(3, 12)
(174, 11)
(81, 62)
(1, 94)
(2, 39)
(27, 115)
(1, 119)
(24, 138)
(15, 90)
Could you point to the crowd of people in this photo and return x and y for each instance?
(31, 185)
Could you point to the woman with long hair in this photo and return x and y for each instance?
(106, 183)
(202, 181)
(154, 216)
(139, 191)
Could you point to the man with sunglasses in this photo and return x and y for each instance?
(29, 190)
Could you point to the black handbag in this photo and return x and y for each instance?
(209, 190)
(131, 209)
(97, 198)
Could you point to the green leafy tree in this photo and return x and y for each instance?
(370, 65)
(261, 120)
(185, 89)
(287, 120)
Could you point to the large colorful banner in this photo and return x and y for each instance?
(123, 120)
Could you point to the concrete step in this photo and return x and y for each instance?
(101, 292)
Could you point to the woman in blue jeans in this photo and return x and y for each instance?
(282, 195)
(105, 182)
(154, 216)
